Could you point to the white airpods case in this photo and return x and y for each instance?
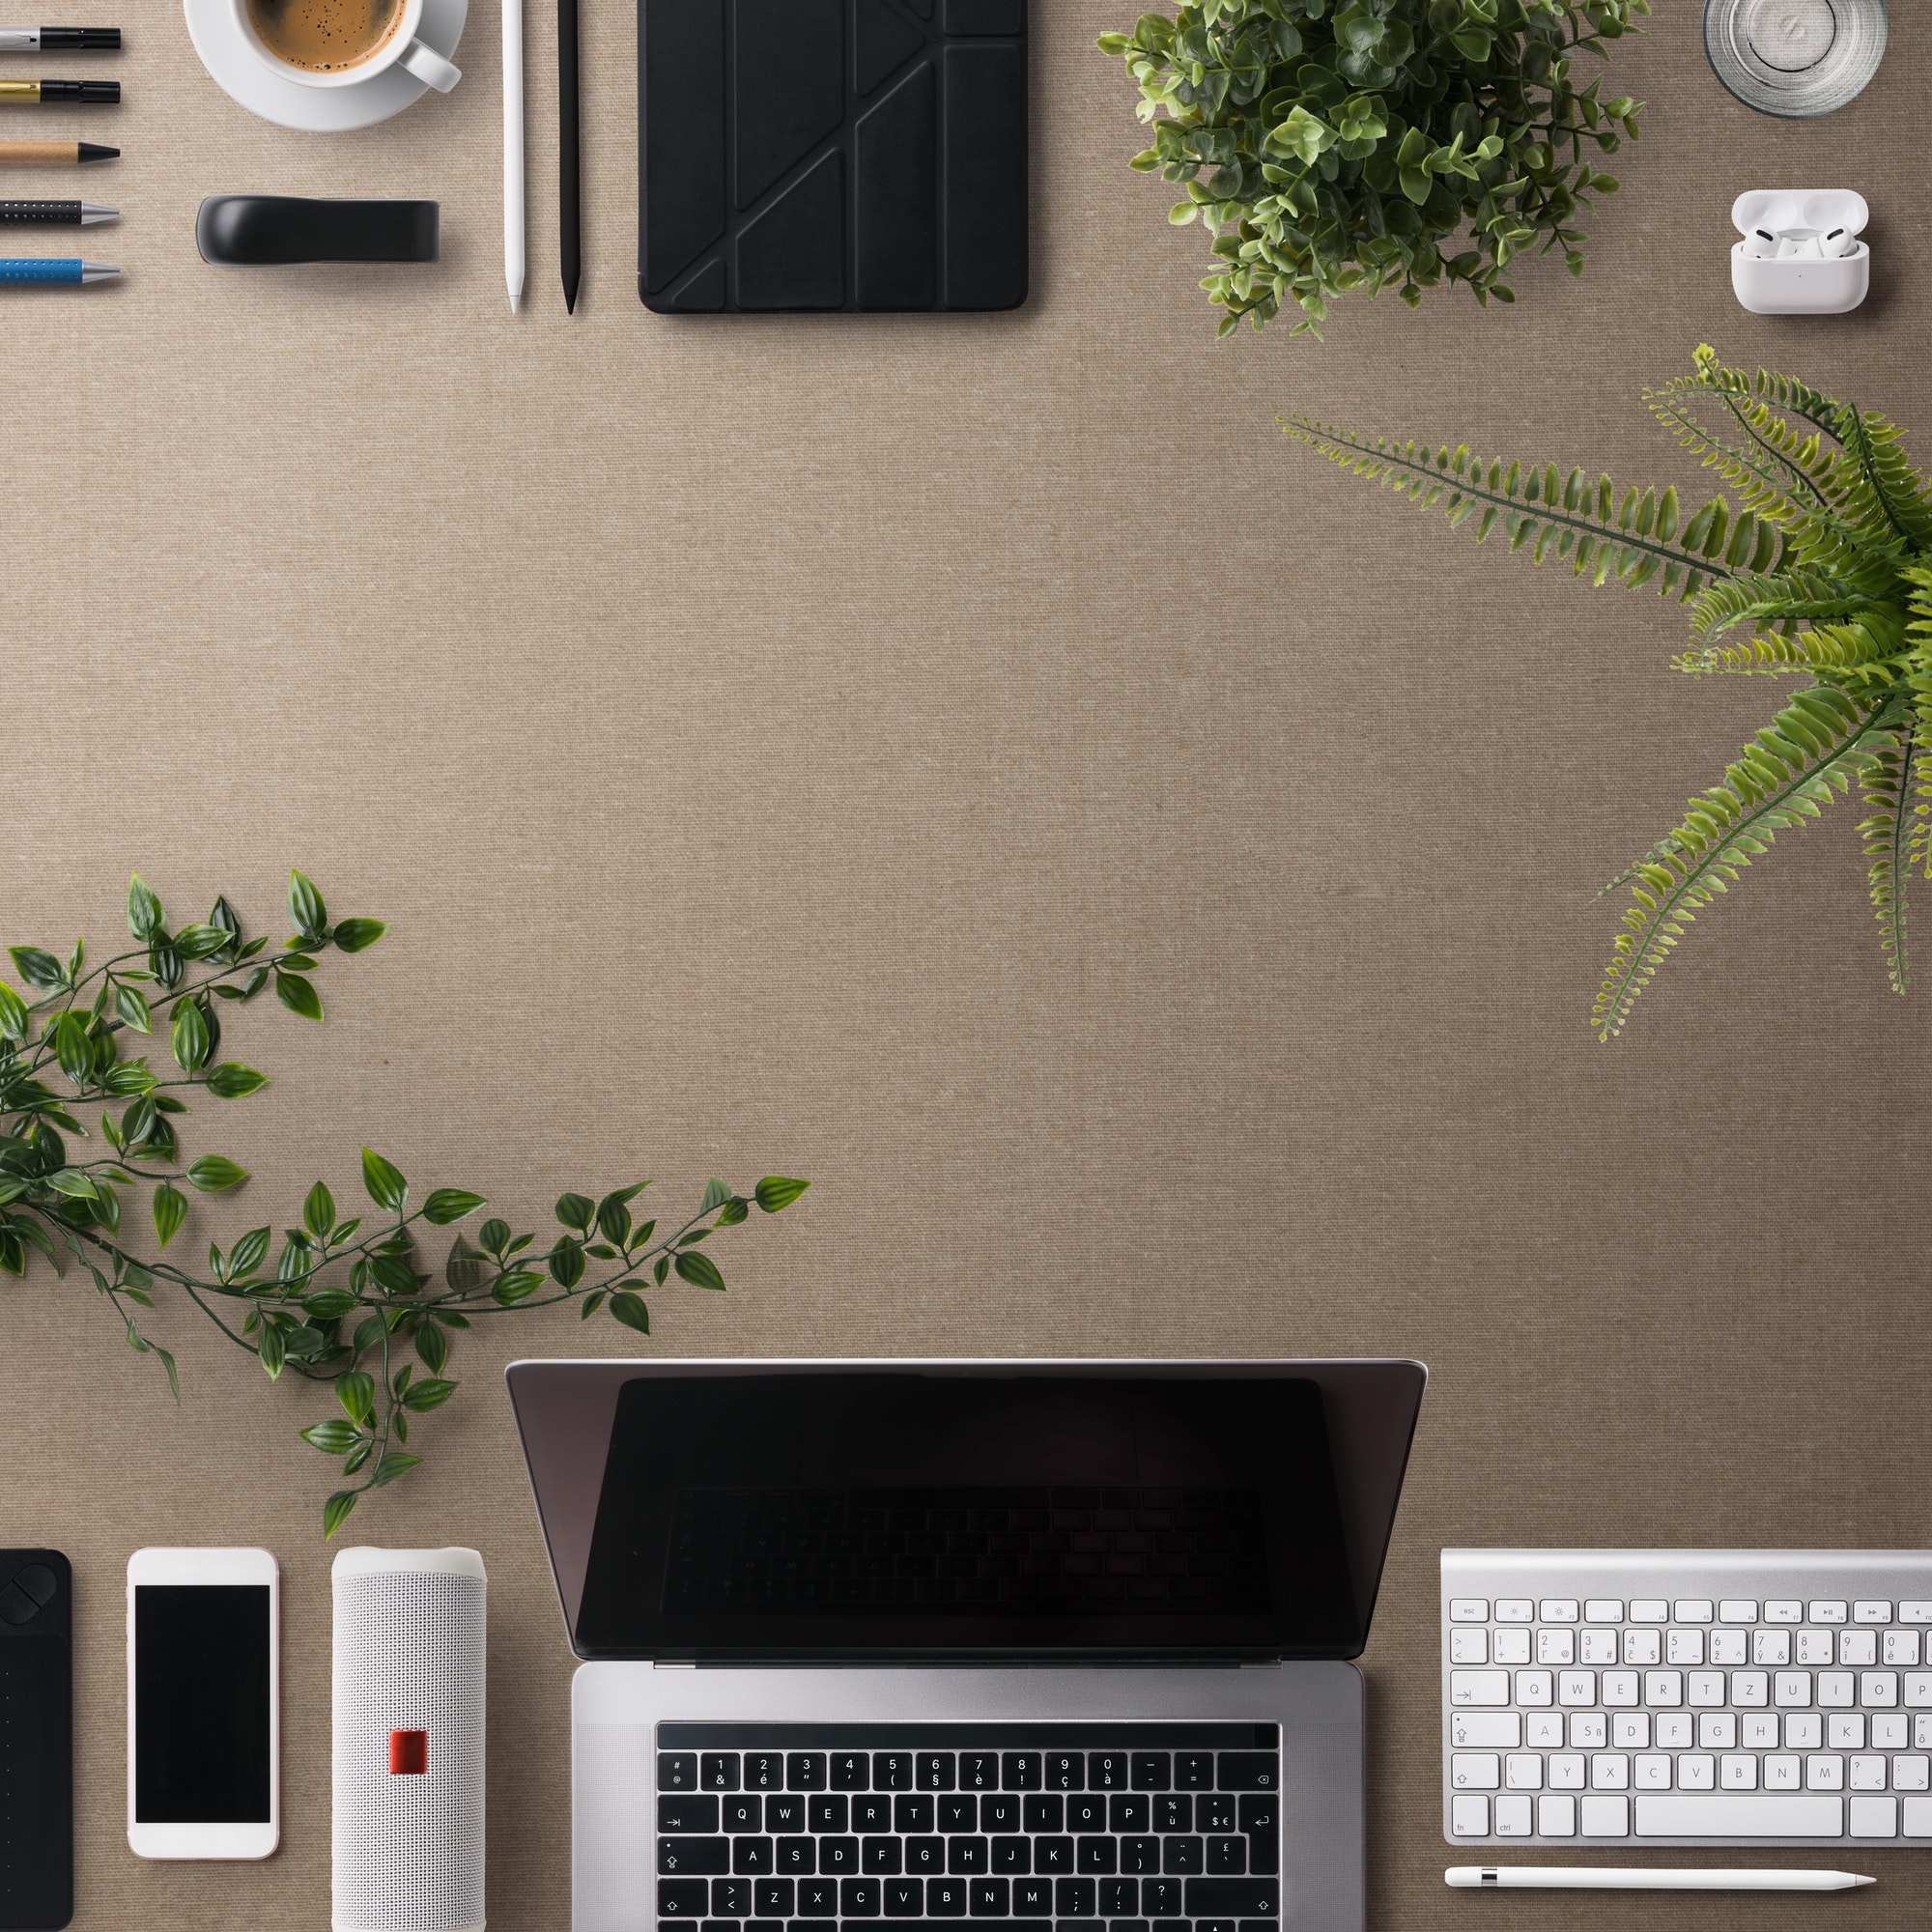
(1800, 284)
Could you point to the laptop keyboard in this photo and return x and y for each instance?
(1049, 1827)
(1027, 1550)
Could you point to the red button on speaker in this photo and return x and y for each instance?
(409, 1751)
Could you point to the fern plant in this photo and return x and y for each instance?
(1820, 570)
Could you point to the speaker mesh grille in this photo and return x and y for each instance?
(409, 1656)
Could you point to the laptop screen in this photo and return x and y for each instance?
(841, 1512)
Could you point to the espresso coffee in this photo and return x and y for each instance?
(325, 35)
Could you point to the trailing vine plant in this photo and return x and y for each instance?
(351, 1300)
(1331, 146)
(1820, 571)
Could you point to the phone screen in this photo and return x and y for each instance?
(202, 1678)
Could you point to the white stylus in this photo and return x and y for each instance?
(1646, 1877)
(513, 150)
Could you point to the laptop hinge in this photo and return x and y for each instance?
(673, 1664)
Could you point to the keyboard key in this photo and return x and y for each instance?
(1901, 1646)
(1915, 1614)
(967, 1857)
(677, 1771)
(1119, 1897)
(1509, 1646)
(1107, 1770)
(904, 1897)
(1606, 1817)
(880, 1857)
(1469, 1817)
(1826, 1610)
(1871, 1613)
(764, 1771)
(1649, 1611)
(718, 1771)
(851, 1771)
(1478, 1770)
(1555, 1817)
(1515, 1611)
(1073, 1897)
(1129, 1814)
(1469, 1646)
(831, 1814)
(1260, 1771)
(682, 1857)
(1783, 1612)
(1556, 1646)
(1182, 1855)
(946, 1897)
(932, 1771)
(1153, 1771)
(1469, 1610)
(1874, 1817)
(1139, 1856)
(684, 1898)
(1557, 1610)
(730, 1899)
(978, 1770)
(858, 1898)
(798, 1856)
(774, 1898)
(1160, 1897)
(1603, 1610)
(1644, 1646)
(687, 1814)
(805, 1771)
(1227, 1857)
(1693, 1610)
(1596, 1646)
(1173, 1811)
(839, 1857)
(1740, 1815)
(1239, 1897)
(751, 1858)
(892, 1771)
(1513, 1817)
(1094, 1855)
(1738, 1609)
(924, 1855)
(1053, 1856)
(1067, 1771)
(1476, 1731)
(1534, 1687)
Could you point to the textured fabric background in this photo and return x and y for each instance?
(1144, 881)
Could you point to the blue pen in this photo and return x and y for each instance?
(52, 268)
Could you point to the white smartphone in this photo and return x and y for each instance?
(204, 1703)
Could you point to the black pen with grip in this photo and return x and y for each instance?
(60, 92)
(57, 214)
(58, 40)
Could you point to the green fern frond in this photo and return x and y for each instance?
(1856, 653)
(1894, 492)
(1786, 775)
(1786, 599)
(1633, 538)
(1891, 780)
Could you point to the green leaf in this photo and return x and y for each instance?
(700, 1270)
(774, 1192)
(585, 1309)
(298, 995)
(231, 1080)
(329, 1304)
(319, 1211)
(188, 1040)
(13, 1014)
(450, 1204)
(494, 1235)
(392, 1465)
(144, 909)
(566, 1262)
(305, 907)
(167, 1362)
(734, 1210)
(662, 1269)
(170, 1208)
(429, 1393)
(132, 1003)
(212, 1174)
(357, 1393)
(73, 1048)
(387, 1186)
(222, 916)
(336, 1511)
(271, 1349)
(630, 1309)
(250, 1253)
(716, 1194)
(201, 941)
(333, 1437)
(517, 1286)
(1303, 135)
(357, 935)
(432, 1345)
(575, 1210)
(41, 969)
(614, 1219)
(71, 1182)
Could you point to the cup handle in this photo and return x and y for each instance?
(429, 67)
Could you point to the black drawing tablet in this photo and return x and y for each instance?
(36, 1739)
(832, 155)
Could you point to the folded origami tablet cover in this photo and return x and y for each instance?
(832, 155)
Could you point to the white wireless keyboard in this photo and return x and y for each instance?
(1686, 1696)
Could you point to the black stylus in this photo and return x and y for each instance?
(567, 185)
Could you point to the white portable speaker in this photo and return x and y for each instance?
(410, 1626)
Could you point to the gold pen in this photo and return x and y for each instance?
(47, 92)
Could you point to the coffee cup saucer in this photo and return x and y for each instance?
(239, 71)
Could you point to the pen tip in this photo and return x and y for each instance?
(93, 151)
(1864, 1881)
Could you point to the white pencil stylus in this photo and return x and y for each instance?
(1650, 1878)
(513, 150)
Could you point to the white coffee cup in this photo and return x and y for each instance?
(401, 49)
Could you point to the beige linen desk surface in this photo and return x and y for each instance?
(978, 765)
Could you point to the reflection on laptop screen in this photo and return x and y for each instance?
(824, 1513)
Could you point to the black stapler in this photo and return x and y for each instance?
(259, 230)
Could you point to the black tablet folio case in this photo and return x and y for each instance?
(36, 1739)
(832, 155)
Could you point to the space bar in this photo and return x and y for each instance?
(1727, 1815)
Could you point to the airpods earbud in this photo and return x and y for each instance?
(1840, 242)
(1760, 244)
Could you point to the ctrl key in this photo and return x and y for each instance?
(1469, 1817)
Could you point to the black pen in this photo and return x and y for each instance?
(61, 213)
(60, 92)
(58, 40)
(567, 194)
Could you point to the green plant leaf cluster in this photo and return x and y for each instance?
(1334, 147)
(1816, 566)
(351, 1299)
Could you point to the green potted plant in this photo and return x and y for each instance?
(1821, 571)
(349, 1299)
(1378, 143)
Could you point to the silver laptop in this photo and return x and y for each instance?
(1038, 1646)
